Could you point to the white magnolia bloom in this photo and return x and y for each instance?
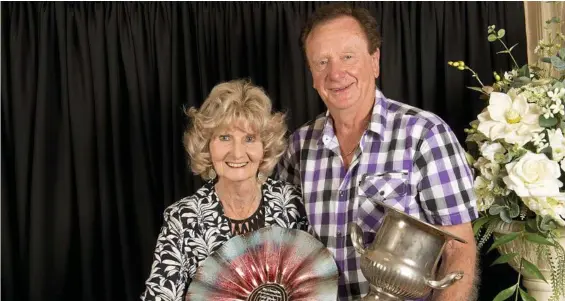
(489, 150)
(533, 175)
(512, 119)
(557, 143)
(483, 190)
(548, 206)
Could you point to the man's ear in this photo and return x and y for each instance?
(375, 62)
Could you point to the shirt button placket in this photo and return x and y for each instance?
(342, 204)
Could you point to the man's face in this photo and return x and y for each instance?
(343, 70)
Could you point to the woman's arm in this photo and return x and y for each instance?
(168, 277)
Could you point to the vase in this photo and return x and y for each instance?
(537, 288)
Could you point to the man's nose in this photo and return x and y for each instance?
(336, 70)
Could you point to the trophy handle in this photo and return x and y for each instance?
(448, 280)
(356, 237)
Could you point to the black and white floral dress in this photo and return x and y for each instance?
(195, 227)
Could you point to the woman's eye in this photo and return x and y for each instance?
(250, 139)
(347, 57)
(224, 137)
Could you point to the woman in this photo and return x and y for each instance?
(234, 142)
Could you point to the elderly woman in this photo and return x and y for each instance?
(234, 143)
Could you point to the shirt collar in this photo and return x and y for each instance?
(376, 125)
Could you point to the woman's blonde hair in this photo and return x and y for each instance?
(228, 104)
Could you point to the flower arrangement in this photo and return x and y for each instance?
(517, 150)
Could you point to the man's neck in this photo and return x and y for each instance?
(353, 120)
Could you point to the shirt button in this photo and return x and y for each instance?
(338, 233)
(382, 192)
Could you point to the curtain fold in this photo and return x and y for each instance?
(536, 14)
(92, 115)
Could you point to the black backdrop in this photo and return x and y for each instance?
(92, 97)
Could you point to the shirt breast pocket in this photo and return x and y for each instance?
(389, 188)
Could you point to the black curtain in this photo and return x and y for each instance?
(92, 98)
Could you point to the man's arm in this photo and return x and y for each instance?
(459, 257)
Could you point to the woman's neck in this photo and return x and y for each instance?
(239, 199)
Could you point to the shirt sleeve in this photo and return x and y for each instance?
(288, 168)
(445, 180)
(168, 278)
(296, 212)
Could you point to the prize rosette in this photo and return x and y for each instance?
(271, 264)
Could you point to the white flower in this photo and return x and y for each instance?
(533, 175)
(551, 206)
(556, 94)
(488, 169)
(557, 143)
(557, 107)
(490, 150)
(514, 120)
(483, 190)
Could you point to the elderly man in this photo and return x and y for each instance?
(369, 145)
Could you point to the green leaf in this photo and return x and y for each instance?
(495, 209)
(505, 215)
(558, 63)
(525, 296)
(547, 122)
(503, 240)
(510, 49)
(531, 225)
(505, 294)
(504, 258)
(562, 53)
(524, 71)
(479, 223)
(532, 269)
(514, 210)
(538, 239)
(501, 33)
(476, 89)
(491, 37)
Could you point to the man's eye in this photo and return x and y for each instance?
(323, 62)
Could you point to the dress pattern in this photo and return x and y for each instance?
(195, 227)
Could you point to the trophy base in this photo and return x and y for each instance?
(376, 294)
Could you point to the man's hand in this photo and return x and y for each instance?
(459, 257)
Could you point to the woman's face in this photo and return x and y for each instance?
(236, 153)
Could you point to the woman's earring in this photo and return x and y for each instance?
(212, 174)
(261, 177)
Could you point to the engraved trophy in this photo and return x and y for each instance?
(402, 260)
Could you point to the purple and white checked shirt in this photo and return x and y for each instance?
(407, 157)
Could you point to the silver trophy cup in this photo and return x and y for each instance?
(402, 260)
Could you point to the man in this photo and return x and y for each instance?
(367, 147)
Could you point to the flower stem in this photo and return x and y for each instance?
(475, 75)
(518, 284)
(509, 53)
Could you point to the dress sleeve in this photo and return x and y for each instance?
(294, 206)
(168, 278)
